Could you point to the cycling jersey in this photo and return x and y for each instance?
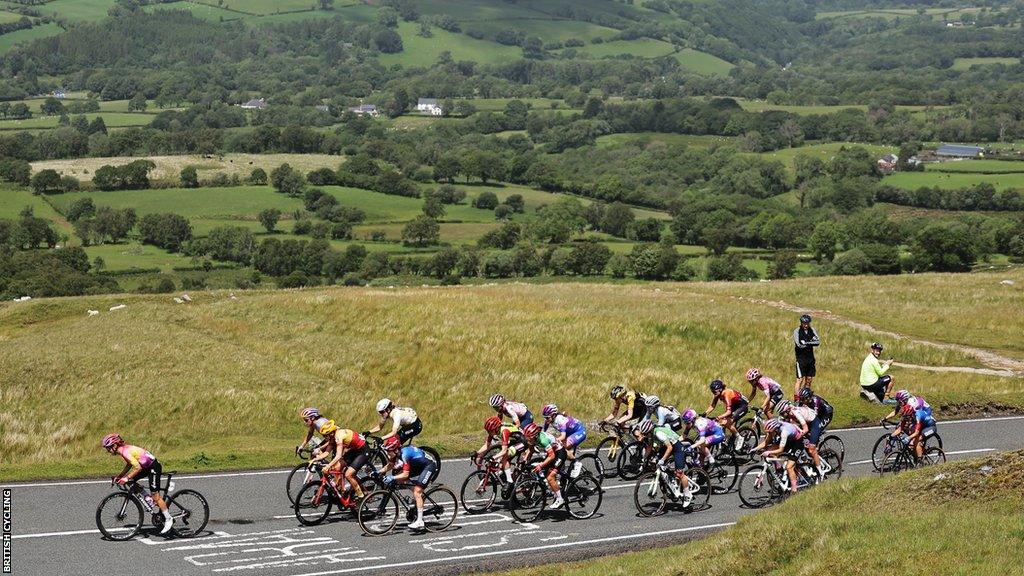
(822, 408)
(919, 404)
(803, 414)
(789, 434)
(351, 439)
(415, 461)
(667, 415)
(510, 434)
(403, 416)
(767, 385)
(666, 435)
(710, 429)
(566, 424)
(804, 342)
(137, 457)
(732, 398)
(549, 443)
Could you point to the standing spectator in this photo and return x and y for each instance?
(805, 340)
(874, 383)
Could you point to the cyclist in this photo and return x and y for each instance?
(821, 407)
(709, 433)
(903, 398)
(917, 423)
(407, 424)
(771, 389)
(516, 411)
(568, 430)
(139, 461)
(663, 415)
(786, 439)
(805, 340)
(554, 458)
(511, 439)
(874, 383)
(413, 465)
(633, 402)
(313, 420)
(674, 446)
(806, 419)
(347, 445)
(735, 408)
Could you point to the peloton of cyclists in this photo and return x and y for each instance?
(806, 419)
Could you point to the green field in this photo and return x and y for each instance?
(806, 110)
(698, 141)
(78, 10)
(202, 11)
(7, 41)
(111, 119)
(952, 181)
(262, 7)
(977, 166)
(8, 17)
(419, 51)
(14, 200)
(846, 526)
(641, 48)
(703, 63)
(134, 255)
(548, 30)
(966, 63)
(823, 151)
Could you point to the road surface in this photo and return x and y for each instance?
(253, 531)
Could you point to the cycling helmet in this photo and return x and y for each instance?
(753, 374)
(652, 401)
(531, 430)
(689, 415)
(549, 411)
(328, 427)
(773, 424)
(492, 425)
(805, 318)
(111, 440)
(806, 395)
(717, 386)
(902, 396)
(497, 400)
(645, 427)
(907, 410)
(616, 391)
(384, 405)
(392, 444)
(877, 346)
(310, 413)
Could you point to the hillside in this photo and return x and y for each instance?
(898, 525)
(178, 377)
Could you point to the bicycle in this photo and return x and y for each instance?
(654, 490)
(611, 448)
(886, 444)
(480, 488)
(314, 501)
(902, 457)
(379, 511)
(379, 457)
(581, 495)
(751, 429)
(121, 514)
(767, 483)
(304, 473)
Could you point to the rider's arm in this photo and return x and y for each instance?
(403, 475)
(514, 417)
(394, 430)
(814, 341)
(127, 467)
(338, 456)
(800, 420)
(614, 413)
(727, 413)
(309, 436)
(714, 402)
(550, 458)
(378, 427)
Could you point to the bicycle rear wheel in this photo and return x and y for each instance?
(313, 503)
(835, 444)
(378, 512)
(297, 478)
(583, 496)
(439, 508)
(608, 453)
(433, 455)
(591, 464)
(478, 492)
(190, 511)
(649, 495)
(933, 455)
(750, 440)
(756, 488)
(723, 474)
(701, 485)
(631, 461)
(894, 462)
(528, 499)
(119, 516)
(834, 461)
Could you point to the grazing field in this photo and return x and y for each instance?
(842, 526)
(78, 10)
(420, 51)
(442, 350)
(7, 41)
(979, 166)
(807, 110)
(703, 63)
(641, 48)
(262, 7)
(201, 11)
(14, 200)
(966, 63)
(112, 120)
(952, 181)
(130, 255)
(549, 30)
(451, 232)
(824, 151)
(169, 167)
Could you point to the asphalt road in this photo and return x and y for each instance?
(253, 530)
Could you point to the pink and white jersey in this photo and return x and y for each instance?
(706, 426)
(516, 408)
(766, 385)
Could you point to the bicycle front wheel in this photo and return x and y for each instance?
(190, 511)
(439, 509)
(700, 486)
(878, 452)
(750, 440)
(723, 474)
(631, 461)
(378, 512)
(479, 490)
(756, 490)
(893, 463)
(583, 496)
(608, 453)
(834, 461)
(119, 516)
(297, 478)
(649, 495)
(528, 499)
(933, 455)
(313, 503)
(592, 465)
(835, 444)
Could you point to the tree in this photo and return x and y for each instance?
(421, 231)
(447, 168)
(729, 268)
(81, 208)
(516, 203)
(502, 212)
(825, 239)
(166, 230)
(20, 111)
(268, 218)
(46, 181)
(15, 170)
(647, 230)
(851, 263)
(556, 223)
(112, 223)
(288, 180)
(433, 207)
(783, 265)
(137, 103)
(52, 107)
(189, 177)
(486, 201)
(590, 258)
(387, 41)
(616, 219)
(258, 177)
(943, 247)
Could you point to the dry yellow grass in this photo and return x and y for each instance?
(169, 167)
(217, 383)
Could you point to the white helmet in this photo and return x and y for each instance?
(384, 405)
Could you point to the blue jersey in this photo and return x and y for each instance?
(412, 458)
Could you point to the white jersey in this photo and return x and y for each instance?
(403, 416)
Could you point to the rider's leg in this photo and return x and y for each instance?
(791, 471)
(553, 483)
(350, 475)
(417, 493)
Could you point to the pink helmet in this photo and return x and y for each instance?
(753, 374)
(550, 410)
(773, 424)
(689, 415)
(111, 440)
(902, 396)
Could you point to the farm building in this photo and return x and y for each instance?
(255, 104)
(887, 163)
(959, 151)
(428, 106)
(367, 109)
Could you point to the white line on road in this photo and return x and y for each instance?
(953, 453)
(421, 562)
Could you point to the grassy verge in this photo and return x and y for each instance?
(954, 519)
(175, 378)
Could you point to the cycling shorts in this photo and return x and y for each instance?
(814, 431)
(153, 474)
(928, 429)
(639, 409)
(557, 461)
(357, 458)
(576, 438)
(794, 447)
(679, 454)
(406, 433)
(776, 396)
(525, 419)
(422, 477)
(739, 410)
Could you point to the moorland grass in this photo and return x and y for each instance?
(173, 377)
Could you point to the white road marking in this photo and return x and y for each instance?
(51, 534)
(150, 542)
(424, 561)
(953, 453)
